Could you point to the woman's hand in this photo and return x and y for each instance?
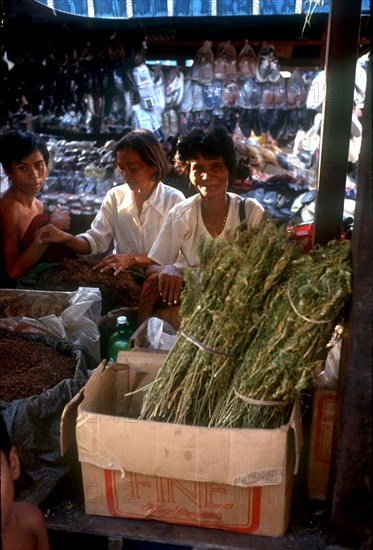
(170, 284)
(60, 217)
(50, 234)
(120, 262)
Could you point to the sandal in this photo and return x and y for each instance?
(245, 122)
(267, 95)
(230, 93)
(145, 86)
(174, 123)
(202, 69)
(197, 95)
(174, 88)
(250, 94)
(279, 94)
(295, 91)
(247, 62)
(225, 65)
(187, 101)
(267, 69)
(159, 87)
(208, 95)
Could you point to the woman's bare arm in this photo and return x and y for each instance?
(52, 234)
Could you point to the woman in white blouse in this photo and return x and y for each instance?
(207, 156)
(131, 214)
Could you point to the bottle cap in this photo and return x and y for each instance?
(122, 320)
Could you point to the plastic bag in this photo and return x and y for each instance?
(160, 334)
(328, 378)
(76, 324)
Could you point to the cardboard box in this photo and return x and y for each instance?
(321, 439)
(230, 479)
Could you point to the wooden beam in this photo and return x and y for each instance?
(341, 54)
(351, 471)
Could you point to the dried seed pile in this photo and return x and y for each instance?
(118, 291)
(35, 304)
(30, 367)
(256, 321)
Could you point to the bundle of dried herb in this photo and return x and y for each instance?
(221, 309)
(245, 333)
(298, 320)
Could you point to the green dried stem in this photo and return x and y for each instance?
(237, 303)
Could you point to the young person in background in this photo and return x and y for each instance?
(24, 157)
(23, 525)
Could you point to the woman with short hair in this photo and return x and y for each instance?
(207, 157)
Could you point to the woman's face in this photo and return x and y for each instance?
(29, 175)
(209, 176)
(134, 171)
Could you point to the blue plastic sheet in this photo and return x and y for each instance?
(128, 9)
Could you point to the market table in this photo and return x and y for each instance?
(116, 532)
(119, 531)
(68, 524)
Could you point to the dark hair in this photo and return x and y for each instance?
(148, 147)
(5, 443)
(209, 142)
(15, 145)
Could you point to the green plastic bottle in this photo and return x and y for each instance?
(119, 340)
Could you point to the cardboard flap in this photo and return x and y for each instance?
(141, 360)
(232, 457)
(69, 414)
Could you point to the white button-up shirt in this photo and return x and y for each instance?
(118, 220)
(183, 228)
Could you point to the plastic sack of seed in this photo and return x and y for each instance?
(72, 317)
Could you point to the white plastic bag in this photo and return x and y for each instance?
(160, 334)
(77, 324)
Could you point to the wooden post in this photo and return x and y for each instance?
(341, 54)
(351, 472)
